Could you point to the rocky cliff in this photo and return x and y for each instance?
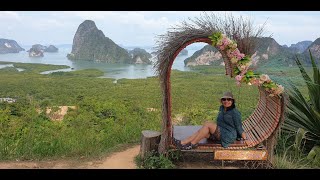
(300, 47)
(9, 46)
(206, 56)
(51, 48)
(269, 51)
(36, 50)
(89, 43)
(183, 52)
(315, 51)
(140, 56)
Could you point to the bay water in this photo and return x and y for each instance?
(116, 71)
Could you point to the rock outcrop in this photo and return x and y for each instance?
(140, 56)
(208, 55)
(51, 48)
(36, 50)
(183, 52)
(300, 47)
(314, 48)
(9, 46)
(268, 51)
(89, 43)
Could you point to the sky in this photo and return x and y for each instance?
(140, 28)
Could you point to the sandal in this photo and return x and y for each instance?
(189, 146)
(185, 146)
(193, 146)
(176, 142)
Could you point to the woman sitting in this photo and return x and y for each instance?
(227, 129)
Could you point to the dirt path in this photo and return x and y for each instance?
(121, 160)
(117, 160)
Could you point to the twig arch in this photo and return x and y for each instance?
(264, 122)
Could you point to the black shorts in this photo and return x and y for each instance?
(215, 135)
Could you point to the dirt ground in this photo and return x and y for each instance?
(125, 160)
(117, 160)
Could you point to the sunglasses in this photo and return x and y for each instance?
(226, 99)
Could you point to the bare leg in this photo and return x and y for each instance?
(204, 132)
(190, 138)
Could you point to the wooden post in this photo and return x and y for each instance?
(149, 141)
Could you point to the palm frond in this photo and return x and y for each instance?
(316, 78)
(302, 113)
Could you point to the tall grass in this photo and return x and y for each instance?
(289, 152)
(107, 114)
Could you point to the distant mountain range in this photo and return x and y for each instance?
(300, 46)
(267, 53)
(90, 43)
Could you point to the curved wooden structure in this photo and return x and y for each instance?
(264, 122)
(258, 126)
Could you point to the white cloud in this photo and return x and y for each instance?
(290, 28)
(9, 15)
(141, 27)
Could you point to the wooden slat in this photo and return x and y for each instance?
(256, 119)
(259, 129)
(258, 134)
(271, 114)
(261, 110)
(254, 130)
(262, 124)
(272, 126)
(272, 106)
(272, 110)
(275, 99)
(266, 120)
(250, 124)
(262, 99)
(268, 127)
(255, 136)
(251, 139)
(277, 109)
(252, 121)
(270, 119)
(245, 125)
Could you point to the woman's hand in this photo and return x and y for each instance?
(247, 142)
(244, 136)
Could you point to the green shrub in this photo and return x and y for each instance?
(154, 160)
